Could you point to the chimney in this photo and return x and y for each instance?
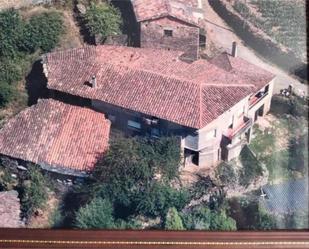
(234, 49)
(93, 82)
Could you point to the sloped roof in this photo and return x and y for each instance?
(56, 134)
(10, 210)
(155, 82)
(179, 9)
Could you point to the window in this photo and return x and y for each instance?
(168, 32)
(266, 89)
(134, 125)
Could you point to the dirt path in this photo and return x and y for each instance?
(222, 35)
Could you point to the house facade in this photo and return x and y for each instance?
(171, 25)
(211, 105)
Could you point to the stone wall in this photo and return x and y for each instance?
(184, 37)
(257, 39)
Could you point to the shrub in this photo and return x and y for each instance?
(43, 31)
(34, 192)
(103, 19)
(173, 221)
(202, 218)
(6, 93)
(157, 200)
(97, 214)
(11, 32)
(10, 71)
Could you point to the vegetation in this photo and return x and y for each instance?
(173, 221)
(103, 19)
(290, 129)
(34, 192)
(97, 214)
(135, 175)
(284, 21)
(202, 218)
(20, 39)
(250, 215)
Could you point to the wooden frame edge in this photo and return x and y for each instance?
(40, 238)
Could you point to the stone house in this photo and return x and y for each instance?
(58, 137)
(171, 25)
(210, 104)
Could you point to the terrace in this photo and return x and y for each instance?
(242, 127)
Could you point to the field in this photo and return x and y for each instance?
(283, 20)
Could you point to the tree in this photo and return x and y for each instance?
(156, 200)
(43, 32)
(34, 193)
(103, 19)
(6, 93)
(11, 32)
(173, 221)
(97, 214)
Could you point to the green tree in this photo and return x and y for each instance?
(156, 200)
(97, 214)
(103, 19)
(6, 93)
(34, 192)
(11, 32)
(43, 31)
(173, 221)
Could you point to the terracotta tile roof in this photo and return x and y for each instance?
(10, 210)
(179, 9)
(56, 134)
(155, 82)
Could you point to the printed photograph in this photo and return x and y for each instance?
(154, 114)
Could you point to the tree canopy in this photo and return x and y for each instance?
(103, 19)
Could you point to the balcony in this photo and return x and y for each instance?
(242, 127)
(257, 98)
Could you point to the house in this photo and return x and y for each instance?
(59, 137)
(171, 25)
(212, 105)
(10, 210)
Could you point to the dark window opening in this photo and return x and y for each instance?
(266, 89)
(168, 32)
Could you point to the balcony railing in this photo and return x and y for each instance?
(257, 98)
(242, 127)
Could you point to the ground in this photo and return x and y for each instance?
(222, 35)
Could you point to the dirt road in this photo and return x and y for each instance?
(222, 36)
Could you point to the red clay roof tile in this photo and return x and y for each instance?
(155, 82)
(56, 134)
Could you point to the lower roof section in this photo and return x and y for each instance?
(64, 137)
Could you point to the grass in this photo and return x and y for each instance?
(283, 20)
(283, 147)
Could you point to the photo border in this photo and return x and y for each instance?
(41, 238)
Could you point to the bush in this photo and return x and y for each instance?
(173, 221)
(97, 214)
(10, 70)
(103, 19)
(6, 94)
(34, 193)
(11, 32)
(43, 31)
(202, 218)
(157, 200)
